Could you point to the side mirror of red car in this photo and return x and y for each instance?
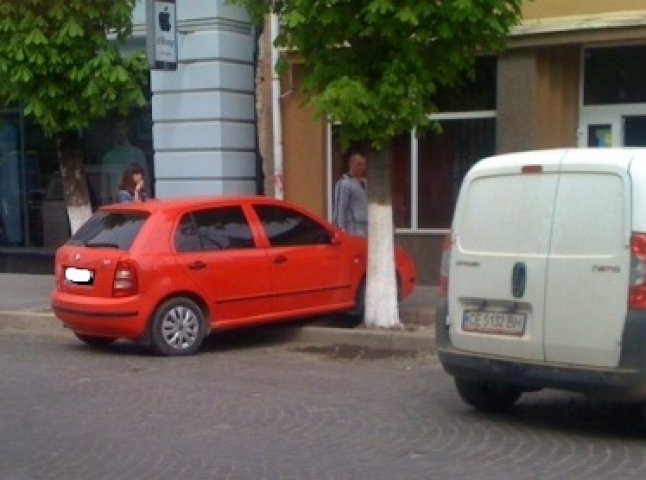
(335, 237)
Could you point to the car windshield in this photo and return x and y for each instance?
(110, 230)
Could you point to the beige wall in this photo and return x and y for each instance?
(557, 91)
(557, 8)
(304, 155)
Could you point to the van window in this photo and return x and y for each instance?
(590, 218)
(507, 214)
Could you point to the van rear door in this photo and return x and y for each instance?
(588, 268)
(502, 229)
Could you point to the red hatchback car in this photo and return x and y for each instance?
(167, 273)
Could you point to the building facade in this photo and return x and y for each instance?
(572, 76)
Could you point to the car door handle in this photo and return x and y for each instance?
(280, 259)
(197, 265)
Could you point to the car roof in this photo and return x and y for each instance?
(181, 203)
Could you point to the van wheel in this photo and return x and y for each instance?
(488, 396)
(94, 341)
(177, 327)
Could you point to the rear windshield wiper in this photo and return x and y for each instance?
(101, 245)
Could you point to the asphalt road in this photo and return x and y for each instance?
(260, 408)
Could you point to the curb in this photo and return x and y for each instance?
(421, 340)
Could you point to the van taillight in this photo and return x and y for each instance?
(445, 264)
(637, 288)
(125, 280)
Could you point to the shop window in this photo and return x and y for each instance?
(400, 170)
(443, 161)
(614, 75)
(32, 207)
(11, 181)
(110, 145)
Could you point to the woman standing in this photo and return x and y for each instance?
(131, 188)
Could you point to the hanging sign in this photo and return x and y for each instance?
(161, 35)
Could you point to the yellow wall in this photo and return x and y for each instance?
(557, 97)
(304, 155)
(557, 8)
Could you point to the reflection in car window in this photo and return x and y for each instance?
(217, 229)
(286, 227)
(186, 237)
(110, 229)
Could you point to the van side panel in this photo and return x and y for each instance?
(638, 176)
(588, 267)
(503, 222)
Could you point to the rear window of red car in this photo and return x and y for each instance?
(110, 230)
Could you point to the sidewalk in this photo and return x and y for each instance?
(24, 301)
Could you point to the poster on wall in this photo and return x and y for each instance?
(599, 136)
(161, 35)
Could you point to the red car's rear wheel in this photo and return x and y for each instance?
(177, 327)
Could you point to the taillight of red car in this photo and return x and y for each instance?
(126, 281)
(444, 265)
(637, 287)
(58, 275)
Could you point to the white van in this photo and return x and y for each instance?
(544, 277)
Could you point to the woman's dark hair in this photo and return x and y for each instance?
(127, 182)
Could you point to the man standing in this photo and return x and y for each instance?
(350, 198)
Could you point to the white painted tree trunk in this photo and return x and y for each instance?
(78, 215)
(75, 188)
(381, 285)
(381, 309)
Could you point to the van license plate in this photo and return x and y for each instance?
(499, 323)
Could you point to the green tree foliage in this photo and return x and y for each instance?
(376, 65)
(56, 60)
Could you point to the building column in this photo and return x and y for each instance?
(538, 98)
(516, 113)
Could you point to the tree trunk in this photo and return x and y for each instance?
(381, 309)
(75, 188)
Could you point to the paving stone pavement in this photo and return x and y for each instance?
(256, 408)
